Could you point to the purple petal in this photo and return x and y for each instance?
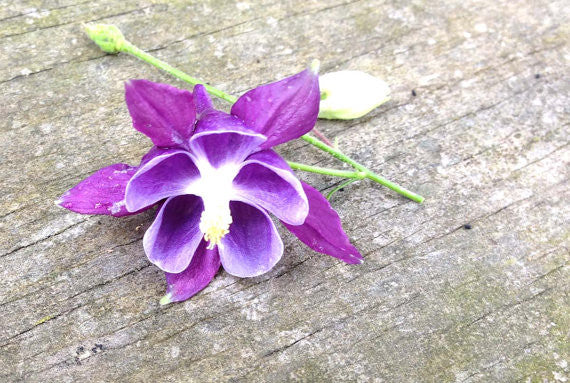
(266, 180)
(169, 174)
(322, 230)
(101, 193)
(155, 151)
(283, 110)
(253, 246)
(198, 274)
(221, 138)
(172, 239)
(164, 113)
(202, 100)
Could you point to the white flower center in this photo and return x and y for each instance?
(215, 223)
(215, 188)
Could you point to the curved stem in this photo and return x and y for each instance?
(343, 184)
(127, 47)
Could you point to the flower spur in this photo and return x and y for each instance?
(216, 179)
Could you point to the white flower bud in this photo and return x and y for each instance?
(348, 94)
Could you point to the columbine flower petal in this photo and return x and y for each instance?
(101, 193)
(168, 174)
(223, 139)
(164, 113)
(283, 110)
(322, 230)
(203, 267)
(202, 100)
(104, 191)
(174, 236)
(252, 246)
(266, 180)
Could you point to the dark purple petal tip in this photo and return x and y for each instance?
(101, 193)
(165, 114)
(202, 100)
(283, 110)
(203, 267)
(322, 230)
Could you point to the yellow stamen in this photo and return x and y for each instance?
(215, 224)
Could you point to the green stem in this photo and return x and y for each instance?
(127, 47)
(111, 40)
(334, 152)
(397, 188)
(344, 184)
(369, 173)
(327, 171)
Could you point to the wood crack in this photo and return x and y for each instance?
(21, 247)
(503, 308)
(44, 10)
(85, 21)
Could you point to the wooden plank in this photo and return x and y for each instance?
(485, 139)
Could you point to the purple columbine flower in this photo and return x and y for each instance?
(215, 179)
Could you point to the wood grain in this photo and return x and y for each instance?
(484, 139)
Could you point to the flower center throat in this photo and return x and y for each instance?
(215, 224)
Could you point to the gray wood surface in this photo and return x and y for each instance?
(485, 139)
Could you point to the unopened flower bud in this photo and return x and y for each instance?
(108, 37)
(346, 95)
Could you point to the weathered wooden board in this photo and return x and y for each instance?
(485, 139)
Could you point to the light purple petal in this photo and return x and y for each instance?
(253, 246)
(155, 151)
(172, 239)
(221, 138)
(283, 110)
(202, 100)
(164, 113)
(101, 193)
(198, 274)
(322, 230)
(266, 180)
(168, 174)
